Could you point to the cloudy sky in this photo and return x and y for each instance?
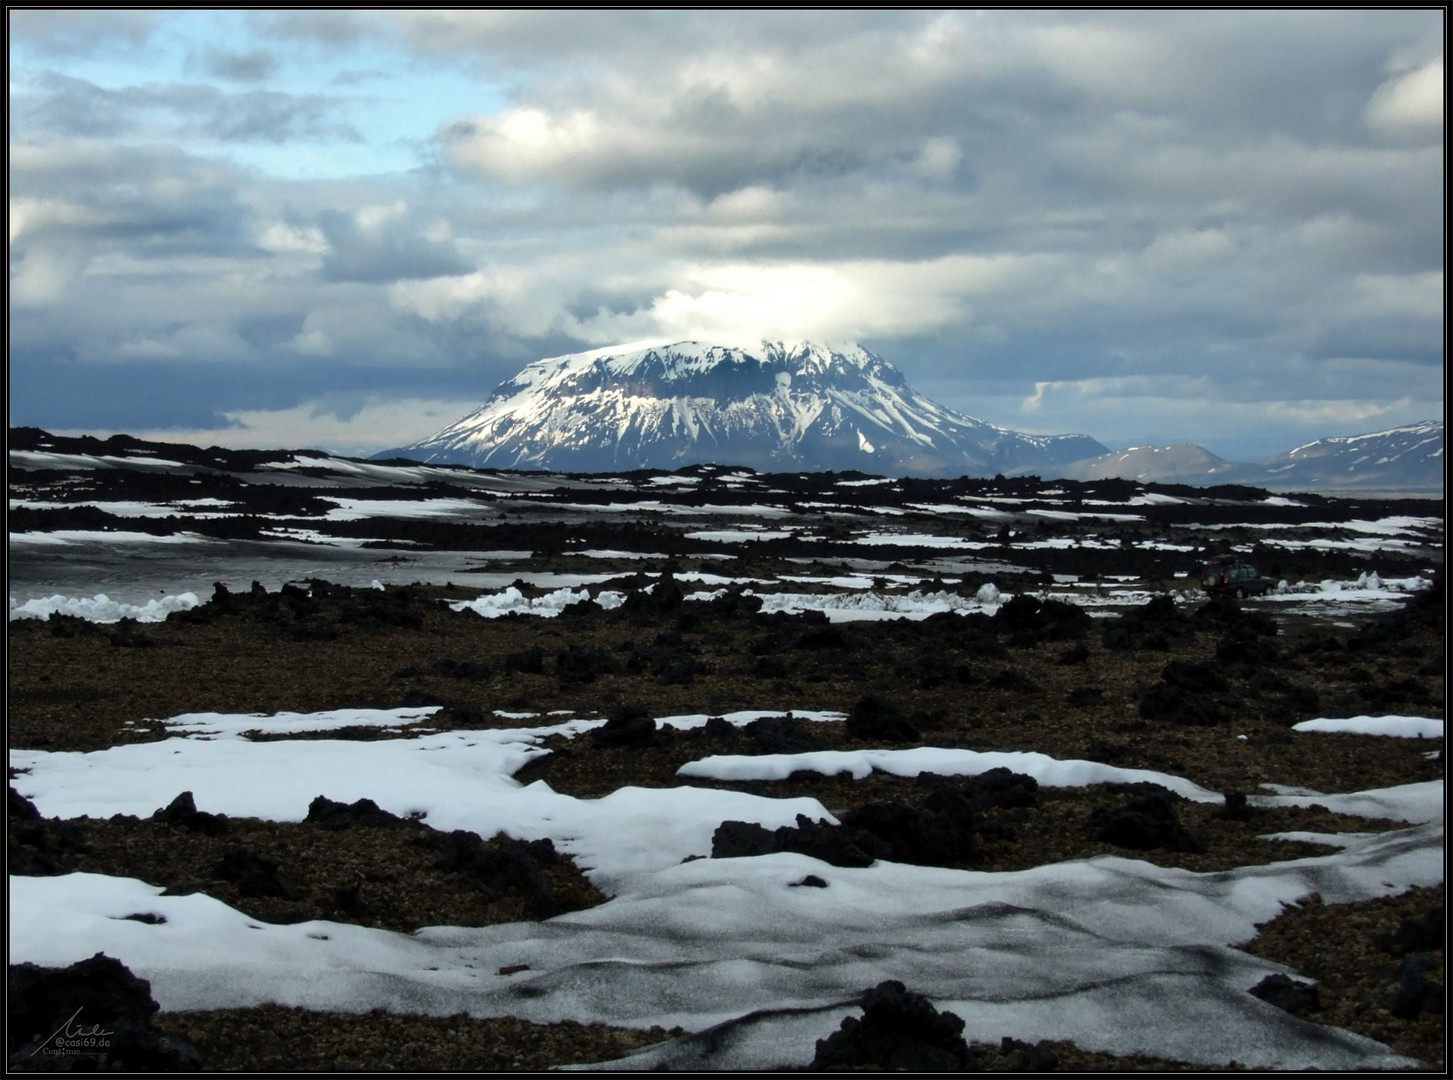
(342, 230)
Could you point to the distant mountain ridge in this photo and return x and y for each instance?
(1401, 459)
(774, 408)
(1178, 464)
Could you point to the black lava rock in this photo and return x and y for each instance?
(1244, 647)
(837, 845)
(365, 813)
(664, 598)
(784, 735)
(1175, 704)
(1237, 808)
(473, 670)
(91, 1016)
(252, 874)
(494, 870)
(1030, 620)
(1145, 824)
(1077, 653)
(997, 788)
(584, 664)
(1226, 613)
(899, 1031)
(939, 833)
(875, 719)
(822, 637)
(1422, 933)
(1196, 676)
(1416, 993)
(1011, 680)
(19, 808)
(1152, 626)
(1297, 998)
(630, 725)
(182, 811)
(718, 728)
(350, 901)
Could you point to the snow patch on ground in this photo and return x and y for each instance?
(101, 608)
(1402, 727)
(1114, 953)
(512, 601)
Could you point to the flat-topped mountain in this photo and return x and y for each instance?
(773, 408)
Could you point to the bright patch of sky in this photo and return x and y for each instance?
(382, 101)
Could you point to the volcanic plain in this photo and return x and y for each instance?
(850, 613)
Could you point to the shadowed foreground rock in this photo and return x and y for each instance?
(875, 718)
(1290, 995)
(835, 844)
(494, 870)
(900, 1030)
(90, 1016)
(1147, 823)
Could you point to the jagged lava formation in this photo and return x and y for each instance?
(777, 408)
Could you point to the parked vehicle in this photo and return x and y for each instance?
(1234, 578)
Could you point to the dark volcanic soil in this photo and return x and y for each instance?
(1164, 688)
(1205, 690)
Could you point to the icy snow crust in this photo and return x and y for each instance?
(1114, 953)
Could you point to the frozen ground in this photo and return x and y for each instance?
(1114, 953)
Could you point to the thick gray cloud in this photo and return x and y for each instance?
(381, 244)
(72, 33)
(251, 66)
(64, 106)
(1224, 225)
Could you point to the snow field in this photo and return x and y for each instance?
(1115, 953)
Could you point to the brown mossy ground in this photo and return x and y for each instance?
(1341, 946)
(271, 1038)
(78, 686)
(72, 688)
(386, 878)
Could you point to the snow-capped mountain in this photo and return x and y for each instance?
(1178, 464)
(775, 408)
(1399, 459)
(1404, 459)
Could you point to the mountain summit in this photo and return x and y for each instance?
(775, 408)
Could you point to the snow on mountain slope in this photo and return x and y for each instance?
(1402, 458)
(777, 408)
(1180, 464)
